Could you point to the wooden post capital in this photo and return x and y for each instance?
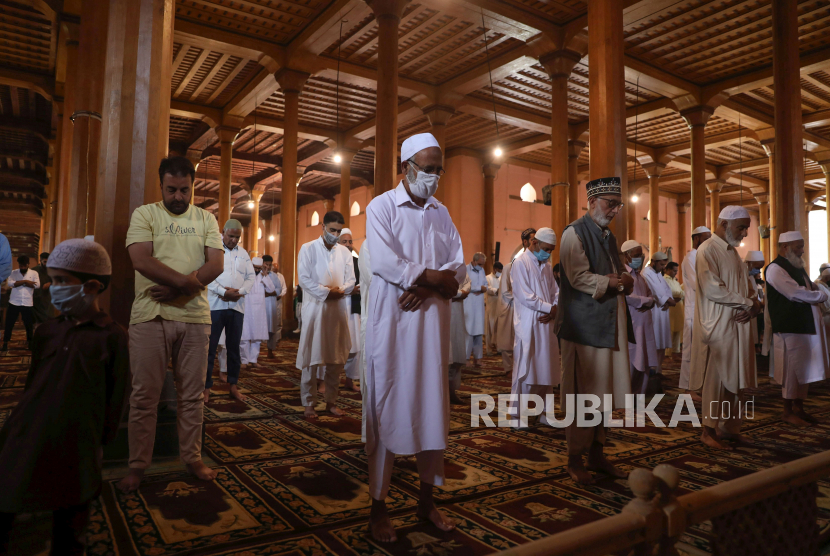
(347, 155)
(762, 199)
(715, 186)
(226, 134)
(697, 115)
(560, 63)
(490, 170)
(654, 169)
(575, 148)
(387, 8)
(439, 114)
(291, 81)
(256, 195)
(682, 208)
(769, 146)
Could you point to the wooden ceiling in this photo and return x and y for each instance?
(225, 53)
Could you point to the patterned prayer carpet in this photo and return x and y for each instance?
(290, 486)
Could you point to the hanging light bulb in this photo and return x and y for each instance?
(338, 159)
(250, 204)
(634, 198)
(271, 238)
(742, 244)
(497, 152)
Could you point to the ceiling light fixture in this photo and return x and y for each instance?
(338, 159)
(634, 198)
(250, 204)
(271, 238)
(497, 152)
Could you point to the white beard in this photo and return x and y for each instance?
(598, 217)
(731, 240)
(797, 262)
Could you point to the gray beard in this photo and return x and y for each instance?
(598, 217)
(797, 262)
(731, 240)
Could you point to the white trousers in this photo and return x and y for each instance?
(308, 385)
(249, 351)
(475, 345)
(791, 389)
(222, 354)
(639, 380)
(520, 389)
(430, 469)
(352, 368)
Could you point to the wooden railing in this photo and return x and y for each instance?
(655, 519)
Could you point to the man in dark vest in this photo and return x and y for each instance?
(593, 324)
(800, 354)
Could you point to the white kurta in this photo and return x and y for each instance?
(364, 263)
(689, 281)
(274, 304)
(536, 348)
(491, 309)
(806, 355)
(407, 401)
(825, 307)
(474, 304)
(504, 317)
(643, 353)
(661, 292)
(325, 338)
(255, 325)
(458, 328)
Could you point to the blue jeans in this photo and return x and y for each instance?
(230, 321)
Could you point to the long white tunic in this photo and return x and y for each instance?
(458, 328)
(535, 348)
(643, 353)
(474, 304)
(407, 400)
(661, 292)
(274, 304)
(491, 306)
(806, 355)
(364, 263)
(255, 324)
(504, 318)
(325, 338)
(689, 281)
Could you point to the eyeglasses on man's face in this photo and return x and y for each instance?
(437, 170)
(612, 204)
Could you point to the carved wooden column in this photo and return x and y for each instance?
(134, 131)
(438, 117)
(227, 135)
(65, 128)
(559, 66)
(789, 154)
(682, 234)
(490, 172)
(763, 220)
(291, 82)
(574, 150)
(253, 227)
(346, 183)
(825, 167)
(696, 119)
(714, 187)
(388, 16)
(653, 172)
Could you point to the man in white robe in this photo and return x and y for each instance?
(474, 309)
(255, 326)
(723, 355)
(676, 312)
(536, 350)
(504, 323)
(355, 353)
(491, 308)
(325, 270)
(458, 340)
(273, 303)
(663, 301)
(418, 263)
(823, 283)
(699, 235)
(642, 353)
(800, 343)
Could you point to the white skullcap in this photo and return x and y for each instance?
(701, 230)
(81, 255)
(546, 235)
(754, 257)
(629, 245)
(823, 266)
(733, 212)
(345, 231)
(787, 237)
(416, 143)
(89, 238)
(659, 256)
(826, 272)
(256, 261)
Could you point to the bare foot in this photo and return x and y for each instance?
(207, 395)
(310, 413)
(454, 399)
(601, 464)
(223, 377)
(334, 410)
(476, 363)
(695, 396)
(739, 439)
(351, 385)
(807, 417)
(713, 442)
(131, 482)
(236, 394)
(202, 471)
(270, 353)
(428, 512)
(576, 469)
(322, 388)
(380, 525)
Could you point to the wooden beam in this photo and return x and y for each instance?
(191, 72)
(209, 77)
(323, 30)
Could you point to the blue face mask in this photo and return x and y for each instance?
(636, 263)
(755, 272)
(542, 255)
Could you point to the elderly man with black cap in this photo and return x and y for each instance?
(699, 235)
(723, 354)
(417, 262)
(593, 323)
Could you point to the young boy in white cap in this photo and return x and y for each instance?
(51, 445)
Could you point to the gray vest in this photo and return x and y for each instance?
(581, 318)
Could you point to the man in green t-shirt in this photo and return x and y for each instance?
(176, 250)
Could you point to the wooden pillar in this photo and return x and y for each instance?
(253, 227)
(346, 184)
(606, 74)
(490, 172)
(763, 220)
(789, 154)
(653, 172)
(438, 117)
(388, 16)
(682, 234)
(66, 131)
(133, 131)
(769, 148)
(805, 232)
(714, 188)
(227, 135)
(291, 82)
(269, 233)
(574, 150)
(826, 169)
(696, 119)
(559, 66)
(86, 128)
(54, 177)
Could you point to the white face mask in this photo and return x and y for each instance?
(422, 185)
(498, 274)
(70, 300)
(330, 239)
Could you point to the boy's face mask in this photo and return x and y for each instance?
(70, 300)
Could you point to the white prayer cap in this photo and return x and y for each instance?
(754, 257)
(629, 245)
(659, 256)
(546, 235)
(823, 266)
(345, 232)
(733, 212)
(701, 230)
(256, 261)
(787, 237)
(416, 143)
(825, 272)
(89, 238)
(81, 255)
